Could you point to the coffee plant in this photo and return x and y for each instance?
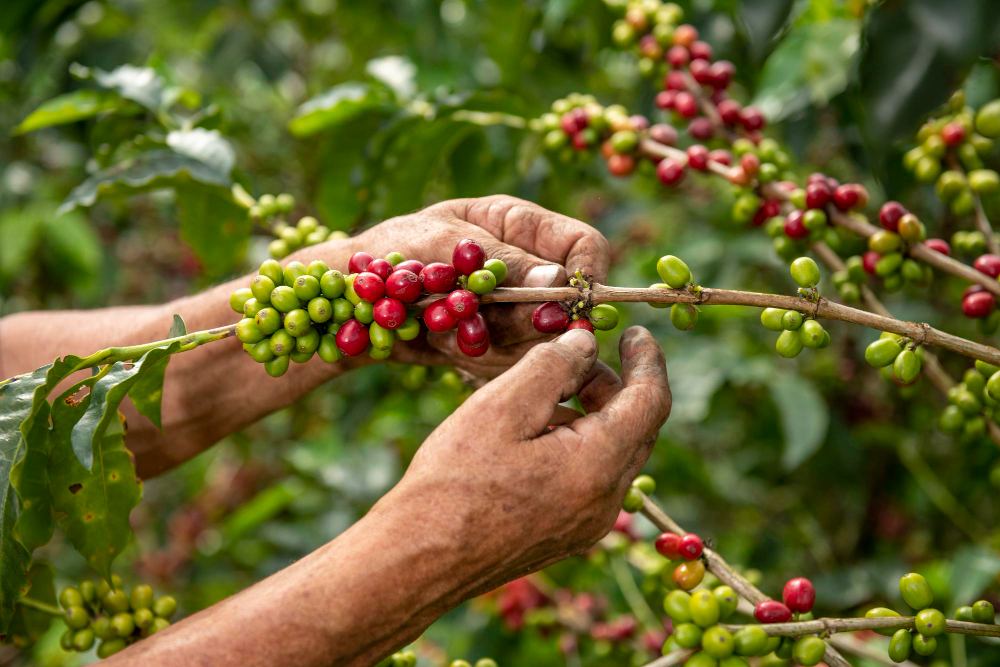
(63, 457)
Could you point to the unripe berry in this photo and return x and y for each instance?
(808, 651)
(248, 332)
(497, 268)
(297, 322)
(482, 281)
(983, 612)
(684, 316)
(109, 647)
(70, 597)
(380, 337)
(687, 635)
(805, 272)
(292, 271)
(343, 310)
(332, 284)
(689, 574)
(409, 330)
(929, 622)
(239, 298)
(277, 366)
(359, 262)
(272, 269)
(882, 352)
(604, 316)
(673, 271)
(438, 278)
(352, 338)
(916, 591)
(281, 343)
(468, 256)
(364, 312)
(704, 608)
(799, 595)
(306, 287)
(283, 299)
(789, 344)
(438, 318)
(771, 611)
(317, 268)
(327, 350)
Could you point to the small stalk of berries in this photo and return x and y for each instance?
(273, 210)
(553, 317)
(900, 358)
(798, 331)
(675, 274)
(972, 403)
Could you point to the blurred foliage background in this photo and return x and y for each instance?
(815, 466)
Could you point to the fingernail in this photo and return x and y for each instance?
(543, 275)
(580, 340)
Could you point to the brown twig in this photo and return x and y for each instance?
(826, 626)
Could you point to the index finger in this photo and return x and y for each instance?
(543, 233)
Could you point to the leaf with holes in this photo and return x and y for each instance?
(93, 506)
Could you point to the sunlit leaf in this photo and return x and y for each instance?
(139, 84)
(206, 146)
(338, 105)
(69, 108)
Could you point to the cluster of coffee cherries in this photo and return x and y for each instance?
(929, 622)
(553, 317)
(109, 614)
(296, 311)
(273, 210)
(797, 330)
(578, 123)
(676, 274)
(901, 358)
(973, 401)
(968, 243)
(951, 151)
(409, 659)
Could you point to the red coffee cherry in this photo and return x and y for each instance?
(438, 277)
(575, 120)
(799, 595)
(389, 313)
(729, 111)
(674, 81)
(702, 50)
(752, 119)
(686, 104)
(685, 35)
(410, 265)
(670, 171)
(795, 228)
(550, 318)
(639, 122)
(663, 133)
(437, 318)
(978, 304)
(468, 256)
(869, 260)
(359, 262)
(938, 245)
(953, 134)
(846, 197)
(722, 74)
(621, 165)
(772, 611)
(678, 56)
(380, 268)
(404, 285)
(988, 264)
(701, 71)
(750, 163)
(473, 331)
(697, 157)
(369, 286)
(889, 215)
(691, 547)
(668, 545)
(818, 195)
(462, 304)
(352, 338)
(721, 156)
(701, 129)
(473, 350)
(665, 99)
(582, 323)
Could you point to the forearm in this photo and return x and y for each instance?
(208, 393)
(370, 591)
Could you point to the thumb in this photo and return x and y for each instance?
(548, 374)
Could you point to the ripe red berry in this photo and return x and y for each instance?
(701, 71)
(889, 215)
(988, 264)
(772, 611)
(670, 171)
(410, 265)
(438, 277)
(380, 268)
(752, 119)
(818, 194)
(845, 197)
(697, 157)
(550, 317)
(729, 111)
(795, 228)
(581, 324)
(953, 134)
(978, 304)
(369, 286)
(473, 330)
(468, 256)
(665, 99)
(869, 260)
(473, 350)
(639, 122)
(685, 34)
(575, 120)
(621, 165)
(678, 56)
(668, 544)
(721, 156)
(437, 317)
(702, 50)
(663, 133)
(650, 48)
(799, 595)
(359, 262)
(404, 285)
(675, 81)
(389, 313)
(691, 547)
(701, 129)
(581, 141)
(722, 74)
(462, 303)
(352, 338)
(686, 104)
(750, 163)
(938, 245)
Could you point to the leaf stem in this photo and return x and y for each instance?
(38, 605)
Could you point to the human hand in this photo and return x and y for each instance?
(538, 246)
(512, 493)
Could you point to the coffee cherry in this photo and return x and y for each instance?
(727, 599)
(283, 298)
(438, 278)
(603, 317)
(687, 635)
(261, 352)
(988, 264)
(689, 574)
(684, 316)
(307, 342)
(978, 304)
(297, 322)
(403, 285)
(110, 647)
(808, 651)
(369, 286)
(771, 611)
(929, 622)
(238, 299)
(717, 642)
(482, 281)
(352, 338)
(677, 605)
(317, 267)
(252, 307)
(462, 303)
(306, 287)
(550, 318)
(814, 219)
(882, 612)
(953, 134)
(668, 545)
(282, 342)
(983, 612)
(497, 268)
(581, 324)
(158, 624)
(272, 269)
(343, 310)
(364, 312)
(670, 171)
(247, 331)
(292, 271)
(380, 337)
(795, 227)
(882, 352)
(907, 366)
(889, 215)
(704, 608)
(471, 349)
(805, 272)
(661, 132)
(468, 256)
(359, 262)
(633, 500)
(70, 597)
(673, 271)
(76, 616)
(278, 249)
(409, 330)
(438, 318)
(789, 344)
(750, 640)
(380, 267)
(965, 613)
(813, 335)
(473, 331)
(123, 624)
(327, 350)
(799, 595)
(690, 547)
(924, 645)
(771, 318)
(389, 313)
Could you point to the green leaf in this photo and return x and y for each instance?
(810, 65)
(105, 396)
(804, 418)
(20, 229)
(206, 146)
(157, 168)
(28, 624)
(69, 108)
(761, 21)
(973, 568)
(177, 327)
(215, 227)
(338, 105)
(93, 506)
(139, 84)
(344, 169)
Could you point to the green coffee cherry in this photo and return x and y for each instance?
(272, 269)
(705, 610)
(261, 287)
(633, 500)
(899, 645)
(882, 612)
(281, 343)
(791, 320)
(645, 483)
(248, 332)
(805, 272)
(381, 338)
(684, 316)
(343, 310)
(102, 628)
(812, 334)
(906, 367)
(659, 286)
(789, 344)
(143, 618)
(364, 312)
(687, 635)
(283, 298)
(297, 322)
(409, 330)
(984, 181)
(306, 287)
(379, 354)
(771, 318)
(497, 268)
(268, 320)
(307, 343)
(673, 271)
(300, 357)
(965, 614)
(123, 624)
(717, 642)
(349, 292)
(332, 284)
(239, 298)
(929, 622)
(983, 612)
(482, 281)
(252, 307)
(750, 640)
(327, 349)
(924, 645)
(888, 264)
(988, 120)
(701, 659)
(808, 651)
(277, 366)
(727, 600)
(110, 647)
(604, 317)
(320, 309)
(76, 616)
(158, 624)
(292, 271)
(70, 597)
(278, 249)
(677, 605)
(482, 662)
(882, 352)
(993, 386)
